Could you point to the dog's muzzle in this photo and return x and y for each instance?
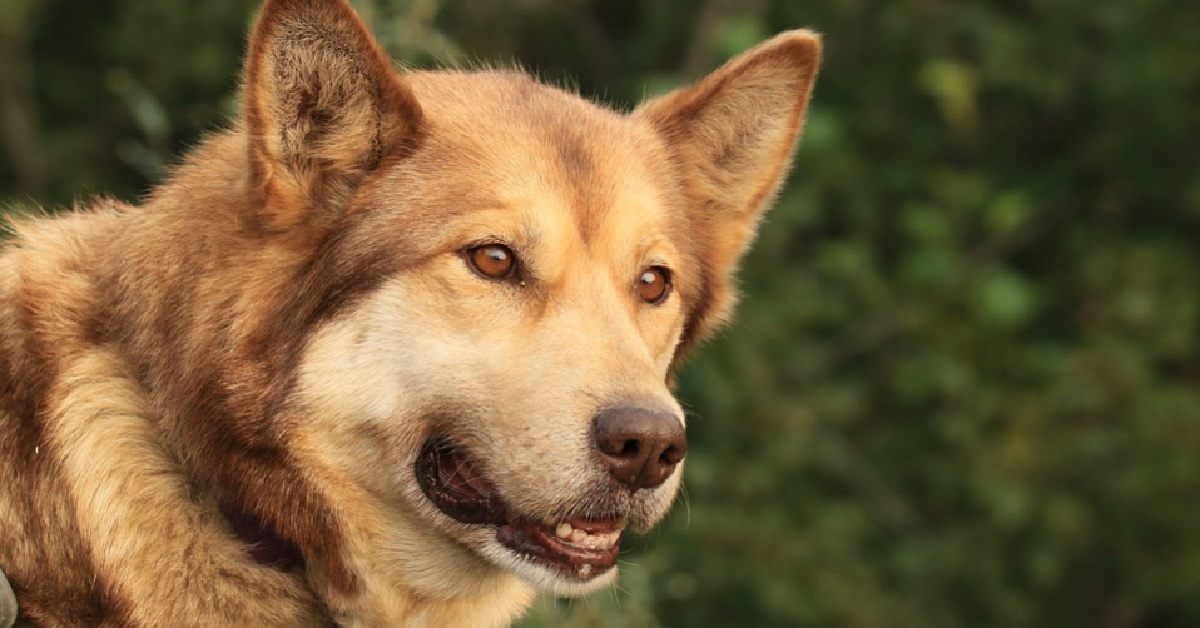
(582, 547)
(639, 448)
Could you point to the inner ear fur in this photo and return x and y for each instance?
(323, 108)
(733, 134)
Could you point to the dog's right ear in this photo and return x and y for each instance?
(323, 108)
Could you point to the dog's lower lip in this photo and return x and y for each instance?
(583, 547)
(541, 543)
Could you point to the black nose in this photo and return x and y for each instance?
(639, 447)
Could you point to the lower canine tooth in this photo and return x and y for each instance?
(563, 531)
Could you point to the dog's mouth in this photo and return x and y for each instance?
(582, 547)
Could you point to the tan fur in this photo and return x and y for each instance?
(289, 317)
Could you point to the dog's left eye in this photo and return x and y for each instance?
(494, 261)
(654, 285)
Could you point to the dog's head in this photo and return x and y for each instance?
(511, 274)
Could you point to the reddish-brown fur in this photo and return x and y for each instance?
(161, 360)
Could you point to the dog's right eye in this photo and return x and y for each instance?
(494, 261)
(654, 285)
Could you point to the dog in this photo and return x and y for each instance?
(395, 348)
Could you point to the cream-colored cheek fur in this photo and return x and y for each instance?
(360, 440)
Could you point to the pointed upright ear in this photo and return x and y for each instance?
(323, 108)
(733, 134)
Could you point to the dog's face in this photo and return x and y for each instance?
(500, 398)
(544, 299)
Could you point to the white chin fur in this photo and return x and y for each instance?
(543, 578)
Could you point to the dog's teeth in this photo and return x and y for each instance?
(564, 530)
(577, 536)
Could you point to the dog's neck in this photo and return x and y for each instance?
(267, 547)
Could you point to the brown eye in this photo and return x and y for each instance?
(654, 284)
(494, 261)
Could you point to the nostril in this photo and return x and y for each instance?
(629, 448)
(672, 455)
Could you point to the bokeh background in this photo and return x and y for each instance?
(963, 387)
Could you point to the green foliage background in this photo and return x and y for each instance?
(963, 388)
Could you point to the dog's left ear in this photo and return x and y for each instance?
(733, 134)
(323, 108)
